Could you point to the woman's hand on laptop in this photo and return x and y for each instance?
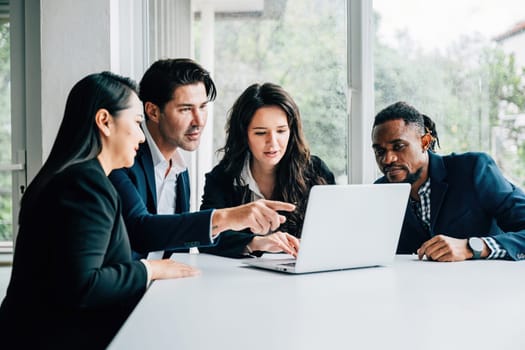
(275, 243)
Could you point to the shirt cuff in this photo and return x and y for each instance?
(148, 271)
(496, 251)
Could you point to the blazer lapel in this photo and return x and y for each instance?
(438, 187)
(182, 189)
(146, 162)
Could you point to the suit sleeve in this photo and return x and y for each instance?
(216, 196)
(96, 258)
(151, 232)
(505, 202)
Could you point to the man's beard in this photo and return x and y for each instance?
(411, 177)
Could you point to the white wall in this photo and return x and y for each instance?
(75, 41)
(70, 40)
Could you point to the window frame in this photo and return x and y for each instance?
(25, 100)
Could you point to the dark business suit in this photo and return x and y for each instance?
(149, 231)
(220, 191)
(469, 198)
(73, 281)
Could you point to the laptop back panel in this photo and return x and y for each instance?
(351, 226)
(348, 226)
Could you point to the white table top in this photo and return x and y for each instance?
(409, 305)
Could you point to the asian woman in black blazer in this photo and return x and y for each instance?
(73, 281)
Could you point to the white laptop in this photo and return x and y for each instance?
(346, 226)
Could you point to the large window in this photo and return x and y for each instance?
(462, 63)
(13, 109)
(6, 212)
(298, 44)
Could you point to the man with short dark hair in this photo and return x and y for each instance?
(155, 191)
(461, 206)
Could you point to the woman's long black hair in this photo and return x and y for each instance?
(78, 137)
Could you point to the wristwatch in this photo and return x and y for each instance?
(476, 245)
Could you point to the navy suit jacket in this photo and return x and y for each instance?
(469, 197)
(149, 231)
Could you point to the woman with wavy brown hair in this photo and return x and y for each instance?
(266, 156)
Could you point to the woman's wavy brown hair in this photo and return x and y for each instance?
(295, 174)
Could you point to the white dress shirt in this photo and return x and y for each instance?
(166, 173)
(247, 179)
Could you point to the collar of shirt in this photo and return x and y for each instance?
(422, 207)
(424, 190)
(165, 175)
(159, 162)
(247, 179)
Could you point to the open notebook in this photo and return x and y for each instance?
(346, 226)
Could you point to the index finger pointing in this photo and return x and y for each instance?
(277, 205)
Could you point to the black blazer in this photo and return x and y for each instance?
(221, 192)
(469, 197)
(73, 281)
(149, 231)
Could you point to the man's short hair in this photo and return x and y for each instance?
(164, 76)
(401, 110)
